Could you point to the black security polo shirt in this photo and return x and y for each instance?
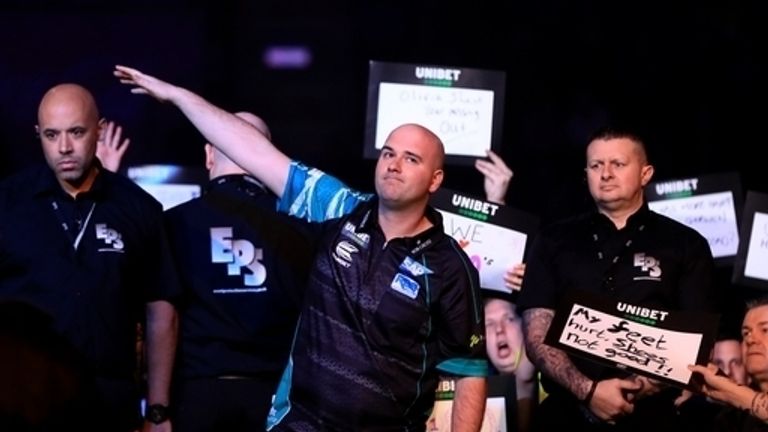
(659, 263)
(92, 262)
(243, 267)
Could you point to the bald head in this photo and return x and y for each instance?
(71, 97)
(218, 163)
(433, 143)
(68, 125)
(409, 169)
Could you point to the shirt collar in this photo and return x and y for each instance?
(238, 181)
(47, 184)
(366, 220)
(640, 217)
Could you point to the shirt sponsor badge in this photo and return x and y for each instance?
(349, 231)
(414, 267)
(343, 253)
(405, 285)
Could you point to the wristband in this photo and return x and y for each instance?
(591, 393)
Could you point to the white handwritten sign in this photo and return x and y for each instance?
(463, 106)
(757, 251)
(461, 117)
(492, 249)
(654, 350)
(633, 338)
(713, 215)
(494, 236)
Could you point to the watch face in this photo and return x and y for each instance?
(157, 413)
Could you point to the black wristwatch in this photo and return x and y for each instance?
(157, 413)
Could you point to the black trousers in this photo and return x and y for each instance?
(221, 404)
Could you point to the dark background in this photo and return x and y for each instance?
(690, 78)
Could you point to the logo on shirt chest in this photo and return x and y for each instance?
(650, 267)
(414, 267)
(111, 237)
(405, 285)
(343, 252)
(349, 231)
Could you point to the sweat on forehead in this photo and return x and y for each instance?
(72, 95)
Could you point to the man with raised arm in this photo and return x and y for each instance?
(392, 300)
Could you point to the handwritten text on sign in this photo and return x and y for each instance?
(712, 215)
(461, 117)
(492, 249)
(757, 254)
(661, 352)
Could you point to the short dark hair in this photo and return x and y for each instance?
(610, 133)
(757, 302)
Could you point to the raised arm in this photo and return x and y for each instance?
(237, 139)
(111, 148)
(496, 177)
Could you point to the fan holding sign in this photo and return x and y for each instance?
(647, 266)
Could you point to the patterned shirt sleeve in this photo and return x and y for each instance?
(462, 321)
(315, 196)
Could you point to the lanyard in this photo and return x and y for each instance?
(610, 273)
(75, 239)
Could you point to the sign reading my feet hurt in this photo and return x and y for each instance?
(656, 343)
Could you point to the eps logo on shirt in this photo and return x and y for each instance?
(238, 253)
(649, 265)
(111, 237)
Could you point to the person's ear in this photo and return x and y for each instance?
(208, 156)
(646, 174)
(101, 127)
(437, 180)
(37, 131)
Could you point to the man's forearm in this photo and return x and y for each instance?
(552, 362)
(240, 141)
(162, 328)
(469, 404)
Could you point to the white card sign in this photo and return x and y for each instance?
(494, 236)
(652, 342)
(462, 106)
(751, 264)
(757, 249)
(709, 204)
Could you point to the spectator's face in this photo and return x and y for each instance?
(727, 356)
(755, 341)
(616, 172)
(504, 335)
(408, 168)
(69, 130)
